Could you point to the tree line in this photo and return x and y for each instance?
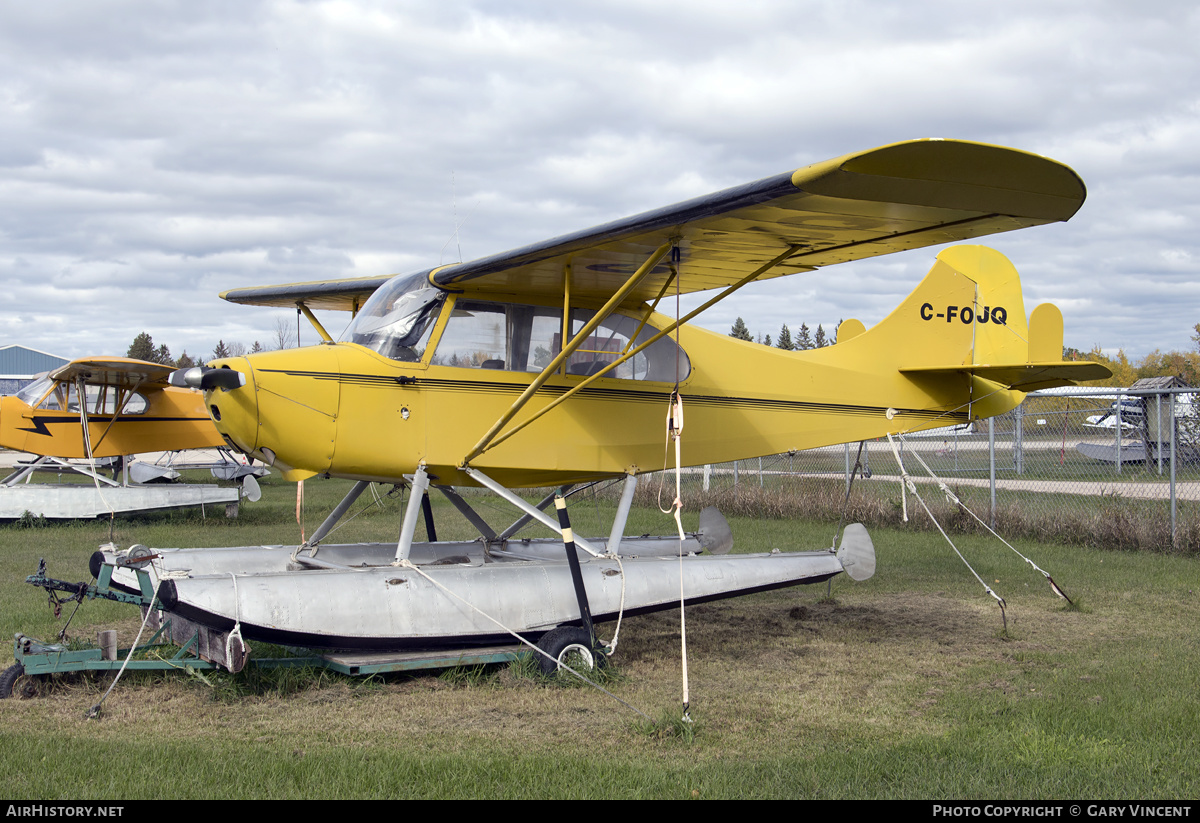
(805, 339)
(1126, 371)
(143, 348)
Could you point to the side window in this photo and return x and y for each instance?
(100, 400)
(661, 361)
(512, 337)
(134, 403)
(506, 336)
(535, 337)
(476, 336)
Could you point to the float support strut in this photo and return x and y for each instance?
(335, 516)
(524, 506)
(618, 527)
(420, 484)
(585, 612)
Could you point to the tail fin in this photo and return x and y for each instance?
(963, 341)
(968, 317)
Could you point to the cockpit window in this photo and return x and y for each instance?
(49, 395)
(512, 337)
(396, 321)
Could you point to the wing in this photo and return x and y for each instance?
(895, 198)
(342, 295)
(122, 372)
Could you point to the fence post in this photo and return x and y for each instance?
(847, 467)
(1173, 439)
(707, 475)
(1019, 437)
(1120, 403)
(992, 464)
(1158, 428)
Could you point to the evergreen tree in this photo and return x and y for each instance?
(163, 355)
(142, 348)
(739, 331)
(256, 348)
(820, 340)
(804, 339)
(185, 361)
(785, 338)
(220, 351)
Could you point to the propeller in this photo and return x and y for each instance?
(206, 379)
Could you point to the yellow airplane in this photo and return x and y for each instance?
(443, 371)
(553, 364)
(129, 407)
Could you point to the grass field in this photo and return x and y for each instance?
(900, 687)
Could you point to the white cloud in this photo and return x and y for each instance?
(155, 153)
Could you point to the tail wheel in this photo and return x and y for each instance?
(15, 683)
(569, 645)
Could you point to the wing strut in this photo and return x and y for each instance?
(634, 352)
(313, 319)
(569, 349)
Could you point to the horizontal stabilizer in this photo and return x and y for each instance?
(1026, 377)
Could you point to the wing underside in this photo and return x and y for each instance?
(895, 198)
(122, 372)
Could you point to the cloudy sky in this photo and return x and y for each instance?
(153, 154)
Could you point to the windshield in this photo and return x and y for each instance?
(395, 321)
(34, 392)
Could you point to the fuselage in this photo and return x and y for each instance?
(378, 408)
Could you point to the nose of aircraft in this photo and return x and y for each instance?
(230, 398)
(285, 410)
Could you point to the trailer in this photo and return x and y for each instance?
(180, 645)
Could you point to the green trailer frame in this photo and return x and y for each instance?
(36, 660)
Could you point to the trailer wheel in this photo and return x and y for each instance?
(14, 683)
(570, 645)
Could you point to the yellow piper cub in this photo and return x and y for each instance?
(128, 408)
(105, 407)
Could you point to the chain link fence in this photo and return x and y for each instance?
(1110, 467)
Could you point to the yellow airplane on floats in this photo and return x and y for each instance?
(127, 407)
(553, 364)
